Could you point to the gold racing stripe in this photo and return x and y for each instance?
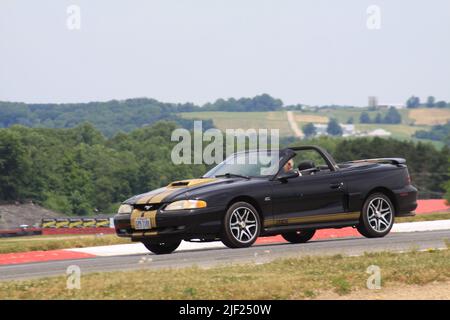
(190, 183)
(152, 216)
(143, 214)
(171, 188)
(331, 217)
(146, 199)
(137, 234)
(160, 196)
(134, 214)
(143, 234)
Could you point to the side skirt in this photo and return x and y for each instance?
(323, 225)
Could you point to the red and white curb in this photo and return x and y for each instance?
(138, 248)
(41, 256)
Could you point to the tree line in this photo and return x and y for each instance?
(79, 171)
(414, 102)
(440, 132)
(333, 129)
(391, 117)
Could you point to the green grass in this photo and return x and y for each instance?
(278, 120)
(342, 114)
(398, 131)
(245, 120)
(292, 278)
(45, 243)
(425, 217)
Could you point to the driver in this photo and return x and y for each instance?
(289, 166)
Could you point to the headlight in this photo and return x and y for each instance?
(125, 209)
(186, 204)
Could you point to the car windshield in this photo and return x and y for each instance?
(248, 164)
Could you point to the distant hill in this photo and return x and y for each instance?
(126, 115)
(412, 120)
(261, 111)
(109, 117)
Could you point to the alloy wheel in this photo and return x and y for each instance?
(243, 224)
(379, 214)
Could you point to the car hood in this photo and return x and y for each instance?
(174, 189)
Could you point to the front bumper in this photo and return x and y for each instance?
(174, 225)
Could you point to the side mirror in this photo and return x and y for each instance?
(284, 176)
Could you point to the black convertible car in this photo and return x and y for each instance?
(301, 190)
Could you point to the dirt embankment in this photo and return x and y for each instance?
(14, 215)
(431, 291)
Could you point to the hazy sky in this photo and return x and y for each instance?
(313, 52)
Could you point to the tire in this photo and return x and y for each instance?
(377, 216)
(162, 247)
(300, 236)
(241, 225)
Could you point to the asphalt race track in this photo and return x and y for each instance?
(395, 242)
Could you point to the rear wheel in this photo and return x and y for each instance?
(377, 216)
(162, 247)
(241, 225)
(299, 236)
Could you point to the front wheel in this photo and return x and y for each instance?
(241, 225)
(162, 247)
(299, 236)
(377, 216)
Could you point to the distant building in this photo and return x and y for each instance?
(321, 129)
(347, 129)
(379, 133)
(373, 101)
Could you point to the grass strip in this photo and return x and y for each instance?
(425, 217)
(288, 278)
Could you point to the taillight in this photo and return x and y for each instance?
(408, 178)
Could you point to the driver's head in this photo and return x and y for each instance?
(289, 165)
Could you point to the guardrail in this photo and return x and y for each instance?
(77, 223)
(20, 232)
(64, 226)
(77, 226)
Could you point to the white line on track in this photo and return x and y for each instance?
(139, 248)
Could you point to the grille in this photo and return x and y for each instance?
(148, 206)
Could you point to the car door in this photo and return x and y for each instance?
(307, 198)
